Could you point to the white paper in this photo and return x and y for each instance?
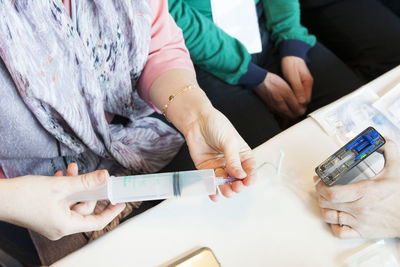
(389, 105)
(239, 19)
(376, 254)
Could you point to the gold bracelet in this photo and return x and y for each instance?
(172, 97)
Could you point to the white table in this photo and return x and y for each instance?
(273, 223)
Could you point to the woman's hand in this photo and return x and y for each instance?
(212, 140)
(215, 144)
(367, 209)
(41, 203)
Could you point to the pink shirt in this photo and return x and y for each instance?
(167, 50)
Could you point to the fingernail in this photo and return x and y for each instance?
(251, 181)
(241, 173)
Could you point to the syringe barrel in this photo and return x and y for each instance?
(161, 186)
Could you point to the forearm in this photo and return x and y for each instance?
(7, 207)
(186, 107)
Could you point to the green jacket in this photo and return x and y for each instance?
(215, 51)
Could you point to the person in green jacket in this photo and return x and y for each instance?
(293, 75)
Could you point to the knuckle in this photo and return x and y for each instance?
(59, 232)
(99, 226)
(323, 203)
(325, 215)
(360, 209)
(54, 236)
(85, 181)
(331, 196)
(280, 102)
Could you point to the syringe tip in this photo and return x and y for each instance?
(225, 180)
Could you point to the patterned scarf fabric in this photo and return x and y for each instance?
(69, 75)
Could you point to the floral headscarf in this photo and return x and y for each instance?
(69, 75)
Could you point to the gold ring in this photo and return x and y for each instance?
(339, 219)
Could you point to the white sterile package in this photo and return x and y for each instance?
(389, 105)
(347, 118)
(374, 255)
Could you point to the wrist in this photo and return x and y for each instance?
(188, 109)
(254, 76)
(5, 200)
(293, 47)
(263, 84)
(187, 106)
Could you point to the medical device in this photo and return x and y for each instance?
(349, 156)
(156, 186)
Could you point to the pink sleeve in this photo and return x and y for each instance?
(2, 175)
(167, 49)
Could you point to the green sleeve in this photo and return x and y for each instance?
(283, 21)
(210, 48)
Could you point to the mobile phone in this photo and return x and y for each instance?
(199, 258)
(338, 166)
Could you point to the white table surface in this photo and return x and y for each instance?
(273, 223)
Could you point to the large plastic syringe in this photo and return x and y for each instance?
(156, 186)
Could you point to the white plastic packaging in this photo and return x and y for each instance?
(374, 255)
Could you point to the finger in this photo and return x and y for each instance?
(220, 172)
(95, 222)
(292, 102)
(87, 182)
(59, 173)
(344, 232)
(342, 193)
(233, 162)
(283, 108)
(390, 152)
(237, 186)
(84, 208)
(298, 88)
(215, 197)
(250, 165)
(324, 204)
(226, 190)
(72, 169)
(215, 162)
(333, 217)
(308, 83)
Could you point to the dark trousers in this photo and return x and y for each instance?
(365, 34)
(332, 78)
(393, 5)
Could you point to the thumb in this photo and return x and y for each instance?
(390, 152)
(232, 157)
(308, 82)
(89, 181)
(298, 88)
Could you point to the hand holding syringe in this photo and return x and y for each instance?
(157, 186)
